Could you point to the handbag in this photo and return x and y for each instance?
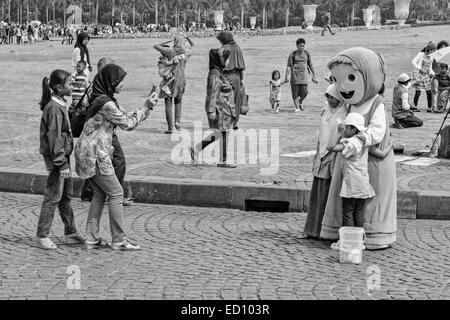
(243, 101)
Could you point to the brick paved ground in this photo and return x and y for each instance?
(202, 253)
(149, 151)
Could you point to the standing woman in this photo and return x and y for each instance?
(235, 65)
(81, 52)
(94, 154)
(179, 84)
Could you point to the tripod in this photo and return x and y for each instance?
(439, 132)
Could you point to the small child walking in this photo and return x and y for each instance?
(356, 187)
(56, 146)
(275, 91)
(80, 83)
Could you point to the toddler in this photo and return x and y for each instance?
(356, 187)
(80, 83)
(275, 91)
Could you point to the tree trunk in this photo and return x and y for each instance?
(46, 10)
(134, 13)
(9, 11)
(176, 16)
(36, 11)
(65, 11)
(96, 11)
(287, 13)
(3, 11)
(113, 12)
(121, 15)
(156, 12)
(165, 12)
(264, 17)
(18, 14)
(54, 10)
(242, 13)
(352, 14)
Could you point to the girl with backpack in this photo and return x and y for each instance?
(219, 106)
(56, 145)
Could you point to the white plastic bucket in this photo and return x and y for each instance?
(351, 240)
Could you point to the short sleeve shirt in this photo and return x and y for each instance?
(299, 67)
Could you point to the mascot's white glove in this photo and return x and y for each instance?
(352, 146)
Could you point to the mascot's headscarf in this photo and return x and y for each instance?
(371, 65)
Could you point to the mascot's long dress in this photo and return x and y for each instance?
(380, 212)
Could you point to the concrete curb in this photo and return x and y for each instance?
(196, 192)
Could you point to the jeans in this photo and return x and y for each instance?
(57, 193)
(410, 122)
(352, 213)
(105, 186)
(120, 168)
(169, 113)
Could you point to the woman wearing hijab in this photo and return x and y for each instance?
(81, 53)
(179, 85)
(219, 106)
(359, 75)
(323, 163)
(235, 65)
(94, 152)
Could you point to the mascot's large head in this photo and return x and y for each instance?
(359, 74)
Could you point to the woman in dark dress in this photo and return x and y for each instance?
(235, 65)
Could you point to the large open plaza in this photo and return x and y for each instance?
(196, 243)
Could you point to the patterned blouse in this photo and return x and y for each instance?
(94, 147)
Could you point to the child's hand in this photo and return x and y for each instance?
(152, 101)
(314, 79)
(212, 116)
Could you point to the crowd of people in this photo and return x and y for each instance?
(354, 168)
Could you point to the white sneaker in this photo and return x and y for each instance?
(46, 243)
(126, 245)
(336, 246)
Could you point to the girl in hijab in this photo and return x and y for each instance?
(94, 152)
(81, 53)
(359, 75)
(235, 65)
(331, 117)
(175, 94)
(219, 107)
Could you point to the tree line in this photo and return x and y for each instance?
(269, 13)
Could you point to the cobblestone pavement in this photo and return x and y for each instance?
(202, 253)
(149, 151)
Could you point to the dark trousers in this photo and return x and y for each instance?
(169, 114)
(352, 213)
(299, 91)
(4, 40)
(57, 194)
(325, 29)
(429, 98)
(212, 138)
(410, 122)
(120, 169)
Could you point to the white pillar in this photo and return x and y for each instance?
(368, 17)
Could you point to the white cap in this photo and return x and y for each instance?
(356, 120)
(404, 77)
(332, 91)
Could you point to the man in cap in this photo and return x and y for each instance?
(401, 109)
